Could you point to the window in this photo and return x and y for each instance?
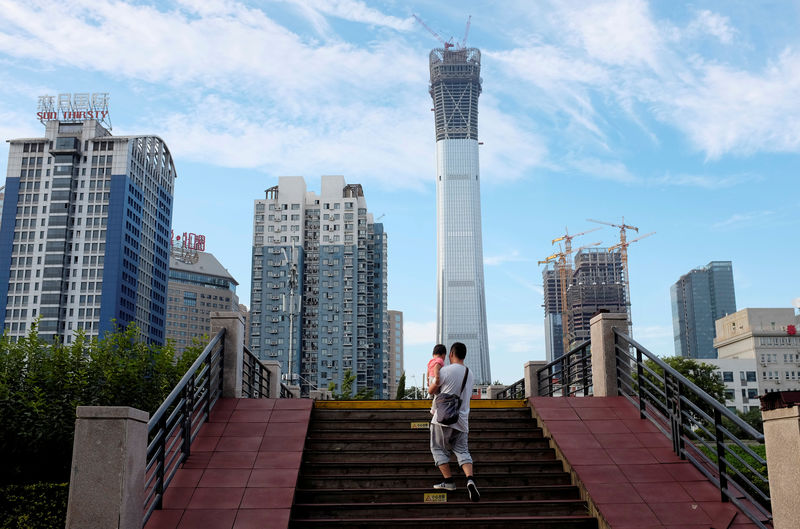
(752, 393)
(729, 394)
(727, 376)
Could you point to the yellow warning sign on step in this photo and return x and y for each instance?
(420, 425)
(435, 497)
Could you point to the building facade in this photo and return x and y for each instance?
(84, 242)
(597, 284)
(198, 284)
(766, 337)
(394, 349)
(461, 304)
(553, 331)
(698, 299)
(319, 284)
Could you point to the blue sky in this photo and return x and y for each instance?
(683, 117)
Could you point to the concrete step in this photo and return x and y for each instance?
(418, 509)
(422, 442)
(497, 522)
(421, 481)
(379, 433)
(413, 415)
(426, 468)
(518, 493)
(422, 455)
(475, 424)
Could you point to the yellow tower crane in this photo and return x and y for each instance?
(623, 250)
(560, 258)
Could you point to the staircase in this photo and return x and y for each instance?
(371, 466)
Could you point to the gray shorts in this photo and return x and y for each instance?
(444, 440)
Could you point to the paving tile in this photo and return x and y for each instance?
(631, 456)
(633, 514)
(558, 414)
(286, 429)
(586, 456)
(584, 440)
(588, 414)
(267, 498)
(600, 474)
(664, 455)
(567, 427)
(197, 459)
(684, 472)
(226, 404)
(186, 477)
(220, 415)
(290, 416)
(645, 473)
(262, 519)
(239, 444)
(589, 402)
(212, 429)
(255, 404)
(548, 402)
(216, 498)
(606, 426)
(663, 492)
(721, 514)
(273, 477)
(294, 404)
(282, 444)
(177, 497)
(629, 412)
(208, 519)
(642, 426)
(702, 490)
(245, 429)
(224, 477)
(232, 460)
(654, 440)
(617, 440)
(680, 513)
(205, 443)
(250, 416)
(279, 459)
(164, 519)
(614, 493)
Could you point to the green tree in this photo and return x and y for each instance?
(347, 389)
(702, 375)
(401, 387)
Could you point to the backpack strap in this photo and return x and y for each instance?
(464, 382)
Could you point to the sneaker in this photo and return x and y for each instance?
(444, 485)
(474, 495)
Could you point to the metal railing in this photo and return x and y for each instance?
(699, 426)
(514, 391)
(286, 393)
(176, 423)
(256, 378)
(568, 375)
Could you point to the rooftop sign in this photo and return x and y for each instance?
(74, 107)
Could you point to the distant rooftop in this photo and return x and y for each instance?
(206, 264)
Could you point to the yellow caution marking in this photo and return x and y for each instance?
(420, 425)
(435, 497)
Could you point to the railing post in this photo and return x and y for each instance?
(274, 369)
(782, 440)
(604, 354)
(640, 383)
(108, 461)
(233, 348)
(532, 377)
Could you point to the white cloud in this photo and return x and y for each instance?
(705, 181)
(612, 170)
(512, 257)
(419, 333)
(356, 11)
(647, 333)
(514, 338)
(714, 24)
(742, 219)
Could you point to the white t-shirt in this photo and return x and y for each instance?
(450, 378)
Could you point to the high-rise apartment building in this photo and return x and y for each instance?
(2, 198)
(597, 284)
(198, 285)
(394, 350)
(318, 298)
(461, 304)
(84, 242)
(553, 331)
(700, 298)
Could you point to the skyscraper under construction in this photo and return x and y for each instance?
(461, 304)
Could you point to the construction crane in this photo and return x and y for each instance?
(623, 250)
(446, 43)
(561, 263)
(567, 238)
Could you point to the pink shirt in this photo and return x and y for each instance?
(433, 363)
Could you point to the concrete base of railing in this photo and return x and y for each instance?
(493, 389)
(106, 488)
(532, 377)
(782, 440)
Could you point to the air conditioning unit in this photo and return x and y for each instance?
(778, 381)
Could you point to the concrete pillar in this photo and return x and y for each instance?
(274, 368)
(782, 440)
(531, 377)
(106, 487)
(493, 389)
(319, 394)
(233, 322)
(604, 363)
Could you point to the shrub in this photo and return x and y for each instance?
(35, 506)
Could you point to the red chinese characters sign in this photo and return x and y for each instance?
(189, 241)
(791, 330)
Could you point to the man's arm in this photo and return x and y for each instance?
(434, 386)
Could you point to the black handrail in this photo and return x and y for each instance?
(694, 421)
(514, 391)
(567, 375)
(256, 378)
(176, 423)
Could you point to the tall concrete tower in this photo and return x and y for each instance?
(461, 304)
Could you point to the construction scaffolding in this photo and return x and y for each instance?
(598, 285)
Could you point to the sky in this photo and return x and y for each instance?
(682, 117)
